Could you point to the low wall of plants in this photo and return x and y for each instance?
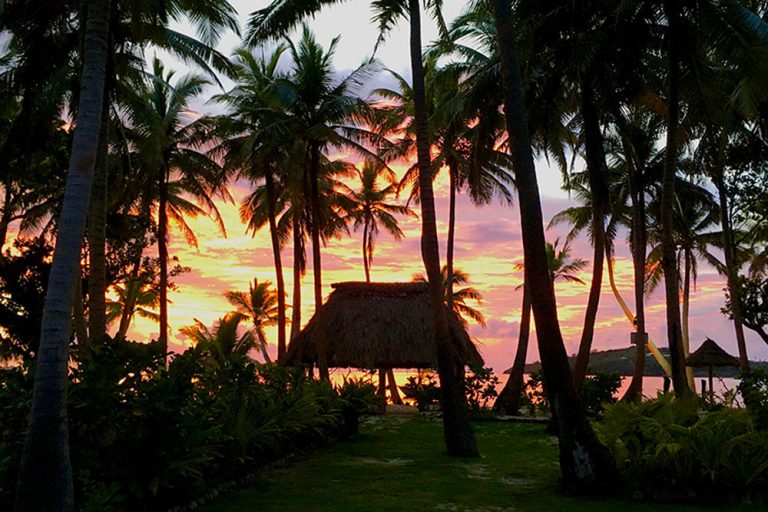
(681, 449)
(146, 437)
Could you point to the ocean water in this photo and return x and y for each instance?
(651, 385)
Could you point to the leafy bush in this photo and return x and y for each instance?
(598, 389)
(533, 394)
(754, 390)
(357, 396)
(423, 389)
(144, 437)
(15, 397)
(480, 388)
(665, 448)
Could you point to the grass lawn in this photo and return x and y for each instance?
(398, 464)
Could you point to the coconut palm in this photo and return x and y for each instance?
(460, 294)
(259, 305)
(136, 297)
(324, 113)
(697, 214)
(582, 218)
(368, 209)
(45, 477)
(562, 268)
(465, 134)
(254, 153)
(574, 430)
(183, 179)
(222, 344)
(695, 58)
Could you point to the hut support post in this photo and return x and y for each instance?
(382, 391)
(711, 389)
(394, 394)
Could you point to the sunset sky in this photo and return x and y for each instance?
(488, 242)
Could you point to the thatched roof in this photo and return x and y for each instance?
(377, 325)
(710, 354)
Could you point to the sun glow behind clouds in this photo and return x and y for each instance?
(488, 247)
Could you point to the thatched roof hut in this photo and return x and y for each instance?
(377, 325)
(710, 354)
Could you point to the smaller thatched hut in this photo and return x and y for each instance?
(709, 355)
(377, 325)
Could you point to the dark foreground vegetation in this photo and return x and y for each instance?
(144, 437)
(397, 463)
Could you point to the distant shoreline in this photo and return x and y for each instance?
(622, 361)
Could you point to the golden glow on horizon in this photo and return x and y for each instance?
(487, 247)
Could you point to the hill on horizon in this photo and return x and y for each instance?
(622, 361)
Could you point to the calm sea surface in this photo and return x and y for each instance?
(651, 385)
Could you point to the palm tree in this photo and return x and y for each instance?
(166, 148)
(562, 267)
(635, 153)
(465, 133)
(696, 215)
(457, 295)
(368, 209)
(582, 218)
(322, 113)
(222, 344)
(137, 297)
(695, 63)
(45, 477)
(253, 152)
(574, 430)
(136, 25)
(259, 305)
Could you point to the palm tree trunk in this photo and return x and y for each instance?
(731, 270)
(5, 217)
(316, 224)
(668, 260)
(162, 247)
(45, 478)
(297, 259)
(271, 205)
(639, 242)
(263, 346)
(596, 171)
(457, 430)
(687, 256)
(509, 398)
(451, 233)
(314, 177)
(394, 393)
(130, 300)
(366, 264)
(584, 462)
(97, 237)
(78, 314)
(382, 388)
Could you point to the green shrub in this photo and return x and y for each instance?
(753, 388)
(480, 388)
(598, 389)
(665, 449)
(15, 399)
(423, 389)
(144, 437)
